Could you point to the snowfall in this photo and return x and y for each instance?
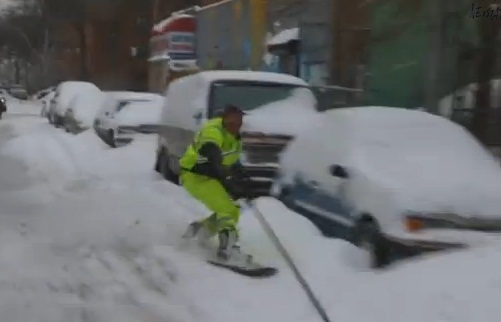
(90, 233)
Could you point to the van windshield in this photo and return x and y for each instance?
(249, 95)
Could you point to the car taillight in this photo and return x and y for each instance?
(413, 224)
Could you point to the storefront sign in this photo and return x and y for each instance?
(174, 39)
(181, 42)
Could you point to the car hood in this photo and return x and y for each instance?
(388, 198)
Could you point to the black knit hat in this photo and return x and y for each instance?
(232, 109)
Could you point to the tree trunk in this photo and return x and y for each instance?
(17, 71)
(84, 71)
(488, 30)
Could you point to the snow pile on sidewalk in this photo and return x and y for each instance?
(111, 252)
(445, 287)
(23, 107)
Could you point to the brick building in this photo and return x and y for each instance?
(116, 42)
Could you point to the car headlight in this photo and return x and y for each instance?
(414, 223)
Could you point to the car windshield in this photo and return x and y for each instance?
(124, 103)
(249, 95)
(331, 97)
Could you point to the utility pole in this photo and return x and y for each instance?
(488, 31)
(45, 52)
(156, 4)
(434, 56)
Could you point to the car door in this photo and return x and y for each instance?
(330, 199)
(108, 114)
(327, 198)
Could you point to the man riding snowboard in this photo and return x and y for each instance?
(211, 173)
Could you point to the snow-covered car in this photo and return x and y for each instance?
(46, 101)
(3, 106)
(41, 94)
(82, 111)
(65, 93)
(124, 113)
(385, 177)
(278, 107)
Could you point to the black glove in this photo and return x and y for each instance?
(239, 171)
(229, 178)
(234, 188)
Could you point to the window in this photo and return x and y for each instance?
(248, 95)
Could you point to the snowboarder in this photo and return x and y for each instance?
(212, 173)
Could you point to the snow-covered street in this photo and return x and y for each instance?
(90, 233)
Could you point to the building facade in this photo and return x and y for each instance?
(117, 35)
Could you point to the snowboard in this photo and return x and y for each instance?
(248, 269)
(254, 270)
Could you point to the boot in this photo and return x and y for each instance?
(229, 250)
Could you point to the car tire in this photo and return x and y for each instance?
(111, 139)
(165, 169)
(369, 237)
(156, 167)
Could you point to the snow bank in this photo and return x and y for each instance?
(54, 156)
(138, 113)
(22, 107)
(110, 251)
(289, 116)
(50, 156)
(284, 37)
(455, 286)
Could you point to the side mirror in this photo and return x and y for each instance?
(338, 171)
(198, 117)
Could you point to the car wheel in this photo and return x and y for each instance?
(157, 163)
(111, 139)
(165, 169)
(368, 237)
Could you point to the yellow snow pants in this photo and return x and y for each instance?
(214, 196)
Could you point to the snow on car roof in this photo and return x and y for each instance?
(215, 75)
(284, 37)
(130, 95)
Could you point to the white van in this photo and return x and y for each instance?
(278, 107)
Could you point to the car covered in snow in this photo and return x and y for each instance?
(65, 92)
(41, 94)
(46, 101)
(82, 110)
(123, 114)
(392, 179)
(3, 105)
(278, 107)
